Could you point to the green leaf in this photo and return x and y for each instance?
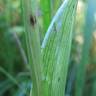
(29, 9)
(56, 49)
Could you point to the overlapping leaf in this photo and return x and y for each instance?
(56, 49)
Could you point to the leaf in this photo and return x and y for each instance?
(29, 9)
(56, 49)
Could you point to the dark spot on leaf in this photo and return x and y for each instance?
(32, 20)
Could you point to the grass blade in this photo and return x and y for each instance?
(29, 8)
(56, 49)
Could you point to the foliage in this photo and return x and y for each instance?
(40, 52)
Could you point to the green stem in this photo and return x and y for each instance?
(29, 8)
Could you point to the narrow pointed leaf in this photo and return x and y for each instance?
(56, 49)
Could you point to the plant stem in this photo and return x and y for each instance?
(29, 9)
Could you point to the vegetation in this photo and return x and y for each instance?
(47, 47)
